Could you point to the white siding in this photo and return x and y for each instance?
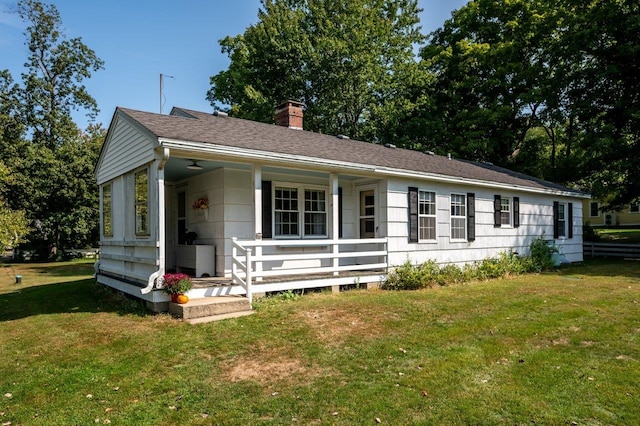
(126, 148)
(125, 254)
(536, 219)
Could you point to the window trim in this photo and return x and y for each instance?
(434, 216)
(141, 232)
(359, 190)
(107, 212)
(463, 204)
(301, 188)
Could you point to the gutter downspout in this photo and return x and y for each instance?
(161, 237)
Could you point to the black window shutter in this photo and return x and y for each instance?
(497, 210)
(516, 212)
(556, 227)
(471, 216)
(413, 214)
(267, 211)
(570, 220)
(339, 212)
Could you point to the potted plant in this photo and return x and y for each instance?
(177, 285)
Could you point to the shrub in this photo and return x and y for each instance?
(588, 233)
(541, 254)
(412, 277)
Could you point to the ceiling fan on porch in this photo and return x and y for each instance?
(194, 165)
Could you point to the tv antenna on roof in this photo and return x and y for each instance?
(161, 89)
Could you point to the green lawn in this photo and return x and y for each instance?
(553, 348)
(619, 235)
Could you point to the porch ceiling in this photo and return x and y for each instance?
(176, 169)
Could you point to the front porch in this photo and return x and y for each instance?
(261, 266)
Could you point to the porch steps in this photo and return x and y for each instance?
(207, 309)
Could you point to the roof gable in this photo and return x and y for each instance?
(127, 145)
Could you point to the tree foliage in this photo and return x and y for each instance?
(344, 59)
(13, 224)
(546, 87)
(50, 159)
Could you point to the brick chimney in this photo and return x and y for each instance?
(289, 114)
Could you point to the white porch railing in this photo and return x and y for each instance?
(251, 265)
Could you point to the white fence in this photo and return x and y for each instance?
(251, 263)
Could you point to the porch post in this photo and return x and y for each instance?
(335, 220)
(256, 171)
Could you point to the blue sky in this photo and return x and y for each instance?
(140, 39)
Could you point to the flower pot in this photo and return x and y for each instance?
(174, 298)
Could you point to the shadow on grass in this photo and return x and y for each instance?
(604, 268)
(62, 270)
(68, 297)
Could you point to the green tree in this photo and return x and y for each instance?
(549, 82)
(13, 224)
(53, 171)
(344, 59)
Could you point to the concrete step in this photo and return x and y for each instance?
(219, 307)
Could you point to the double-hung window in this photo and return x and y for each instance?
(141, 196)
(562, 220)
(458, 217)
(505, 211)
(315, 212)
(287, 216)
(594, 209)
(427, 215)
(294, 218)
(634, 208)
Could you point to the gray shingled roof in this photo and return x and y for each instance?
(234, 132)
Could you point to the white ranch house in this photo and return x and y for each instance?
(275, 207)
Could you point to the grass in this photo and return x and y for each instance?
(553, 348)
(619, 235)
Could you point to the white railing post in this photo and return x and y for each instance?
(335, 217)
(234, 254)
(249, 274)
(335, 262)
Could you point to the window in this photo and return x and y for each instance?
(634, 208)
(594, 209)
(286, 212)
(290, 221)
(367, 214)
(505, 211)
(562, 220)
(107, 225)
(315, 212)
(142, 202)
(427, 215)
(458, 217)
